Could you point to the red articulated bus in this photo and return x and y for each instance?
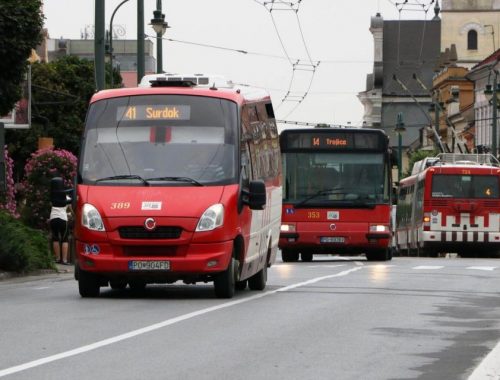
(450, 203)
(336, 194)
(178, 180)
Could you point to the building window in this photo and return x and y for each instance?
(472, 40)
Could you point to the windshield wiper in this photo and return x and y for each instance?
(124, 176)
(177, 179)
(319, 193)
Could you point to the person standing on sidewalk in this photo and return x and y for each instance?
(59, 220)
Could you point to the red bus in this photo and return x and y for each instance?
(336, 194)
(450, 203)
(179, 180)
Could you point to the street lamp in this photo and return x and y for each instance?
(111, 40)
(492, 93)
(400, 128)
(160, 26)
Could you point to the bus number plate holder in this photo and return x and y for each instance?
(332, 239)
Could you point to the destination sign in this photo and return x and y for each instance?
(153, 112)
(333, 141)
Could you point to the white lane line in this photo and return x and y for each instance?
(325, 266)
(42, 288)
(156, 326)
(481, 268)
(489, 368)
(431, 267)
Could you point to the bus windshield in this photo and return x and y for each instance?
(464, 186)
(160, 139)
(323, 178)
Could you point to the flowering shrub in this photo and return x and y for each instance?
(38, 171)
(8, 199)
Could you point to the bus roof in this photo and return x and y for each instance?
(219, 88)
(456, 160)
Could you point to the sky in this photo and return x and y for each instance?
(319, 52)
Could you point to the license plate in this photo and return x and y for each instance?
(148, 265)
(332, 239)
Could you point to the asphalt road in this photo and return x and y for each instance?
(411, 318)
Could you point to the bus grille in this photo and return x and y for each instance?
(162, 232)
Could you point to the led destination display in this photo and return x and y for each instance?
(153, 112)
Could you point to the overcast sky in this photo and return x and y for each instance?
(334, 33)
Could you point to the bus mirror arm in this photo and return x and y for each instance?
(255, 196)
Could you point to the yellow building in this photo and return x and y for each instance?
(473, 26)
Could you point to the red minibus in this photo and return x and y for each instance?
(450, 203)
(336, 194)
(178, 180)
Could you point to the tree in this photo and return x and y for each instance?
(417, 156)
(61, 91)
(21, 24)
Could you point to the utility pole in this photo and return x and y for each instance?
(99, 42)
(140, 40)
(400, 128)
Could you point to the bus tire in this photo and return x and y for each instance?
(258, 280)
(225, 283)
(88, 284)
(289, 256)
(306, 256)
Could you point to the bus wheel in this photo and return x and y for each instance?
(306, 256)
(258, 280)
(289, 256)
(88, 284)
(224, 283)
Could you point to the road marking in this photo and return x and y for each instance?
(432, 267)
(156, 326)
(42, 288)
(482, 268)
(489, 368)
(325, 266)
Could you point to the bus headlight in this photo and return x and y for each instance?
(379, 228)
(212, 218)
(287, 228)
(91, 218)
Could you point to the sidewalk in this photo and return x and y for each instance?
(60, 269)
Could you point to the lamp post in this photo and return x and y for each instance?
(400, 128)
(160, 26)
(491, 94)
(111, 40)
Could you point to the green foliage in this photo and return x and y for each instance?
(417, 156)
(21, 24)
(61, 91)
(39, 170)
(22, 249)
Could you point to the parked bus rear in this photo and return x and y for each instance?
(336, 194)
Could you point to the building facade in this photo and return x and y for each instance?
(473, 26)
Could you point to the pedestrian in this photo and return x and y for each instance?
(59, 220)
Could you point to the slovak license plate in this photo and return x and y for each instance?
(332, 239)
(148, 265)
